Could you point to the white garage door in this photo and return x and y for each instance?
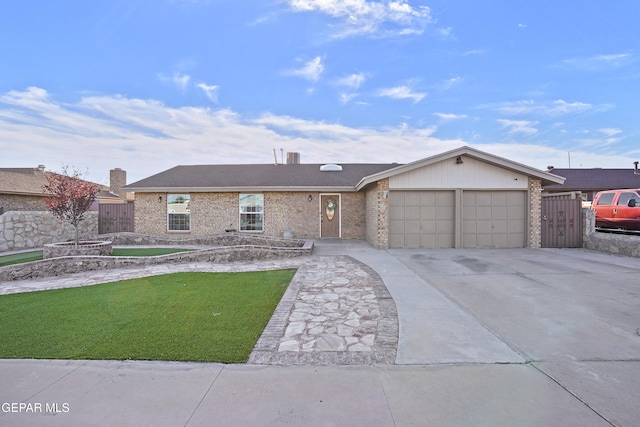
(421, 219)
(494, 219)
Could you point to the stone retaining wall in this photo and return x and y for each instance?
(76, 264)
(607, 242)
(34, 229)
(57, 250)
(226, 239)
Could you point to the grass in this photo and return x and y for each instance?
(206, 317)
(20, 258)
(37, 255)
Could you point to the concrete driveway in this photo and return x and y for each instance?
(572, 314)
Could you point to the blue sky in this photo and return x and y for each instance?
(145, 85)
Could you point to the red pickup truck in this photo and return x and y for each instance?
(617, 209)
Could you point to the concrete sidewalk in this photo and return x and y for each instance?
(486, 338)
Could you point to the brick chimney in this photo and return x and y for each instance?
(117, 180)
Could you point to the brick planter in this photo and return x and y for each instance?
(57, 250)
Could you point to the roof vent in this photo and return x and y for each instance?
(331, 167)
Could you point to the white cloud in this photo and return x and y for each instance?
(353, 81)
(524, 127)
(555, 108)
(450, 117)
(145, 136)
(402, 92)
(598, 62)
(210, 91)
(449, 83)
(345, 98)
(609, 132)
(361, 17)
(311, 70)
(181, 81)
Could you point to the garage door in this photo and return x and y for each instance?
(421, 219)
(494, 219)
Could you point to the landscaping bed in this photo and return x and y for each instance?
(253, 248)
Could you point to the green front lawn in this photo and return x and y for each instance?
(207, 317)
(37, 255)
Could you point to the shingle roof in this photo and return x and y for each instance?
(262, 176)
(25, 181)
(29, 182)
(595, 179)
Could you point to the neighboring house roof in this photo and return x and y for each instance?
(595, 179)
(29, 182)
(215, 178)
(546, 177)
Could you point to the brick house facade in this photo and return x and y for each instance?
(493, 202)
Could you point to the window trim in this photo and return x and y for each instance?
(186, 214)
(260, 213)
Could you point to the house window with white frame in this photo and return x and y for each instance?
(251, 212)
(178, 212)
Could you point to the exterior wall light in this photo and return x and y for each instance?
(159, 199)
(310, 198)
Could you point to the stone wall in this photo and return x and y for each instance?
(76, 264)
(226, 239)
(13, 202)
(607, 242)
(34, 229)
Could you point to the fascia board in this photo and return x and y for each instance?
(237, 189)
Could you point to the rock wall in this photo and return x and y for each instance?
(34, 229)
(76, 264)
(608, 242)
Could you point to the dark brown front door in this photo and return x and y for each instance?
(330, 215)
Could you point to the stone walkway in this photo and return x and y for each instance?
(336, 311)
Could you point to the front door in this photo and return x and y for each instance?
(330, 215)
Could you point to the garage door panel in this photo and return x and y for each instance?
(412, 227)
(500, 212)
(412, 213)
(412, 240)
(396, 212)
(396, 227)
(483, 199)
(422, 219)
(396, 240)
(494, 219)
(429, 226)
(412, 198)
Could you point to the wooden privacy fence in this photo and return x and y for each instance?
(562, 221)
(115, 218)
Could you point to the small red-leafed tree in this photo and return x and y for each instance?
(69, 197)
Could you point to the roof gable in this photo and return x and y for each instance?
(462, 152)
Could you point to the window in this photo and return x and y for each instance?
(178, 213)
(251, 212)
(624, 198)
(605, 199)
